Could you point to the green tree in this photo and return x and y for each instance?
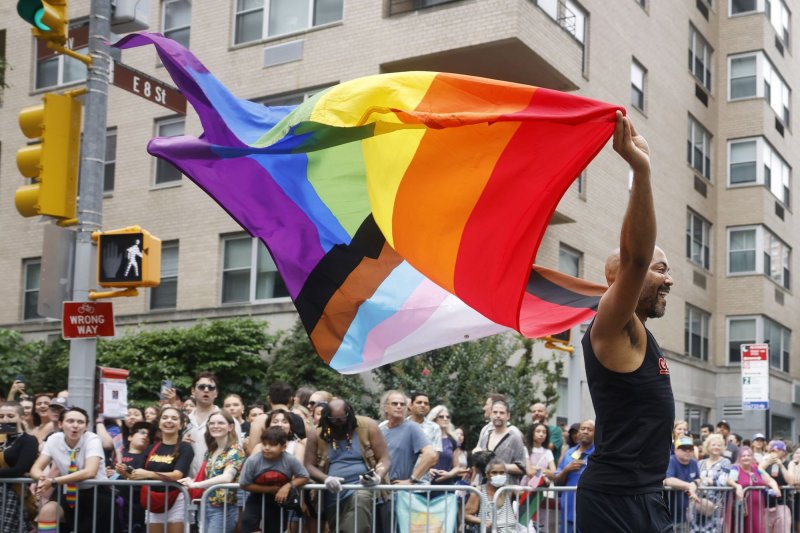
(461, 376)
(233, 349)
(294, 361)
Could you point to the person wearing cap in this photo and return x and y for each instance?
(683, 475)
(759, 445)
(731, 450)
(779, 517)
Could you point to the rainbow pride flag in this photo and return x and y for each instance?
(403, 210)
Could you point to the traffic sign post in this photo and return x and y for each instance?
(87, 320)
(755, 377)
(149, 88)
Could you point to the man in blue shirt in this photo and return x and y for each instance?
(683, 475)
(569, 471)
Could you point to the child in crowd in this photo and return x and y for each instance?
(270, 476)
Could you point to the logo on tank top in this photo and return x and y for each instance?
(663, 369)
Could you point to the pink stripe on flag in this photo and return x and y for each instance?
(416, 310)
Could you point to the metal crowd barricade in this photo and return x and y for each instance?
(712, 509)
(120, 519)
(761, 510)
(537, 509)
(383, 506)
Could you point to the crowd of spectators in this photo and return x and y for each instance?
(272, 450)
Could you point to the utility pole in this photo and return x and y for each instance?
(83, 352)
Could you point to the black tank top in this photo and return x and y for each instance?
(633, 429)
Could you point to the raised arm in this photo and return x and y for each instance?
(615, 326)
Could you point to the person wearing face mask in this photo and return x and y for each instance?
(496, 477)
(17, 455)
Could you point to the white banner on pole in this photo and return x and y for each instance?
(755, 377)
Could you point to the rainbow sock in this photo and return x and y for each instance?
(43, 527)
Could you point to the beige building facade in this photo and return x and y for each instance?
(709, 83)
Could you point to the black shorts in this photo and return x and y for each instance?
(598, 512)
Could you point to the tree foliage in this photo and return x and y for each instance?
(461, 377)
(294, 361)
(233, 349)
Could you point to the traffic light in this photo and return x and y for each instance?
(48, 18)
(559, 341)
(128, 257)
(53, 161)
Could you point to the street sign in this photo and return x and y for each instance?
(82, 320)
(149, 88)
(755, 376)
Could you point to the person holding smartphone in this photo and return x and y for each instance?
(140, 436)
(17, 455)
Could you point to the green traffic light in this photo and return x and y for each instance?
(38, 20)
(32, 11)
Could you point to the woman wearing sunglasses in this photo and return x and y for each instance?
(448, 468)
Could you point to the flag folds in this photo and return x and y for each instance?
(403, 210)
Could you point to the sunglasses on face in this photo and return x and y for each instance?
(342, 418)
(443, 417)
(311, 405)
(205, 387)
(397, 404)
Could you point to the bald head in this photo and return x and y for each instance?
(613, 260)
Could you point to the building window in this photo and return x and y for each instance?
(739, 7)
(741, 330)
(699, 57)
(638, 74)
(165, 296)
(781, 427)
(753, 75)
(695, 332)
(32, 269)
(569, 260)
(53, 70)
(248, 272)
(292, 98)
(259, 19)
(698, 245)
(696, 416)
(755, 162)
(744, 243)
(170, 127)
(110, 160)
(698, 146)
(177, 20)
(780, 17)
(757, 329)
(778, 338)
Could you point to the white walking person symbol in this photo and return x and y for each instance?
(132, 253)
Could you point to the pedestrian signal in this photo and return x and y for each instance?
(128, 257)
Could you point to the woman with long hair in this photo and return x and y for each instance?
(135, 414)
(541, 462)
(448, 468)
(294, 445)
(42, 424)
(746, 473)
(169, 458)
(151, 414)
(222, 464)
(17, 455)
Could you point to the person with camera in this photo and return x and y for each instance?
(779, 517)
(349, 449)
(17, 455)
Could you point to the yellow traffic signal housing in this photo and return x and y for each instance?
(48, 17)
(128, 257)
(559, 341)
(53, 161)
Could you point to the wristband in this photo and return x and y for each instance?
(414, 480)
(53, 482)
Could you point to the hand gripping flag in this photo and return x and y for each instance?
(403, 210)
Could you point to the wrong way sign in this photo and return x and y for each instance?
(82, 320)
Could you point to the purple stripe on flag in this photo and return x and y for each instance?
(254, 200)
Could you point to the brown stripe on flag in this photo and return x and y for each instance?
(559, 288)
(341, 309)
